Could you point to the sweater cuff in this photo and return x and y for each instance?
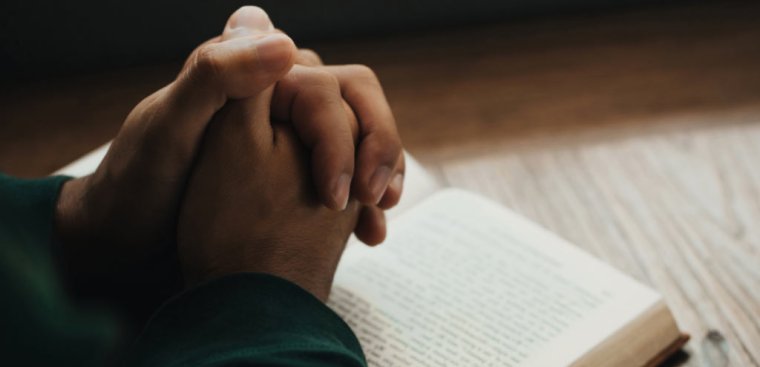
(27, 208)
(243, 319)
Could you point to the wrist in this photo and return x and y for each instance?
(98, 261)
(82, 236)
(312, 273)
(70, 211)
(72, 230)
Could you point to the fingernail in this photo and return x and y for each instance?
(397, 183)
(379, 182)
(274, 49)
(252, 18)
(340, 191)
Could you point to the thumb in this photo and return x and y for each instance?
(172, 120)
(215, 73)
(233, 69)
(151, 156)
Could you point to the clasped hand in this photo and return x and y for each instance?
(256, 158)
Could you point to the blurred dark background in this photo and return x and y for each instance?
(45, 38)
(461, 77)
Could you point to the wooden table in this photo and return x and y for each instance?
(635, 135)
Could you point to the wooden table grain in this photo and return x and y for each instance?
(635, 135)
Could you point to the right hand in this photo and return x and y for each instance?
(250, 205)
(342, 116)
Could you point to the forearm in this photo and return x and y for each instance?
(96, 262)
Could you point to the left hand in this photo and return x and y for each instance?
(115, 228)
(339, 112)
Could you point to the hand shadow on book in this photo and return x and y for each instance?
(676, 359)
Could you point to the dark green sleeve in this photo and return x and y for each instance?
(38, 326)
(27, 208)
(246, 320)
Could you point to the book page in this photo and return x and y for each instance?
(418, 185)
(86, 164)
(462, 281)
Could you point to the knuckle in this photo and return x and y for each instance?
(392, 144)
(362, 72)
(387, 147)
(206, 63)
(309, 57)
(309, 52)
(395, 149)
(322, 78)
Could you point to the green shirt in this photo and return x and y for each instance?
(239, 320)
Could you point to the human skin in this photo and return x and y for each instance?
(113, 222)
(250, 205)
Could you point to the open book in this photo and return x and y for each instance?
(462, 281)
